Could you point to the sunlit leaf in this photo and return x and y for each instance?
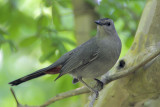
(43, 21)
(3, 31)
(56, 15)
(28, 41)
(48, 3)
(12, 46)
(62, 49)
(47, 56)
(129, 41)
(68, 41)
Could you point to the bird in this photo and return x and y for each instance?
(91, 59)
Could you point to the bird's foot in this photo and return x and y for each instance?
(75, 80)
(95, 91)
(99, 84)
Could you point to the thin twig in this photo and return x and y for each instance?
(78, 91)
(12, 91)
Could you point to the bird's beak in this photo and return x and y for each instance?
(98, 22)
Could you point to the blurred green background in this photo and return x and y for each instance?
(35, 33)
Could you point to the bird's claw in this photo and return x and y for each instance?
(100, 84)
(96, 93)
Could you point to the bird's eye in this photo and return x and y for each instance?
(108, 24)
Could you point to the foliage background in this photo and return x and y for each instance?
(35, 33)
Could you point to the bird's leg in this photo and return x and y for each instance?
(75, 80)
(90, 88)
(99, 84)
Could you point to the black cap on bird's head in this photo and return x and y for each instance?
(104, 21)
(105, 25)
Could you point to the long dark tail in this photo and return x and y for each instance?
(29, 77)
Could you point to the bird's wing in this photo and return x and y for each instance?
(81, 56)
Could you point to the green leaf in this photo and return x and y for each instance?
(48, 3)
(43, 21)
(3, 31)
(129, 41)
(48, 47)
(1, 39)
(56, 15)
(62, 49)
(47, 56)
(12, 46)
(28, 41)
(67, 41)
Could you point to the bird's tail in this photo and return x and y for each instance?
(29, 77)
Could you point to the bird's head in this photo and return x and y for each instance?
(105, 25)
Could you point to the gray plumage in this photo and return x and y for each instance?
(89, 60)
(95, 57)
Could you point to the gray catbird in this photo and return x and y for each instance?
(89, 60)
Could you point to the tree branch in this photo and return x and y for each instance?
(130, 70)
(78, 91)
